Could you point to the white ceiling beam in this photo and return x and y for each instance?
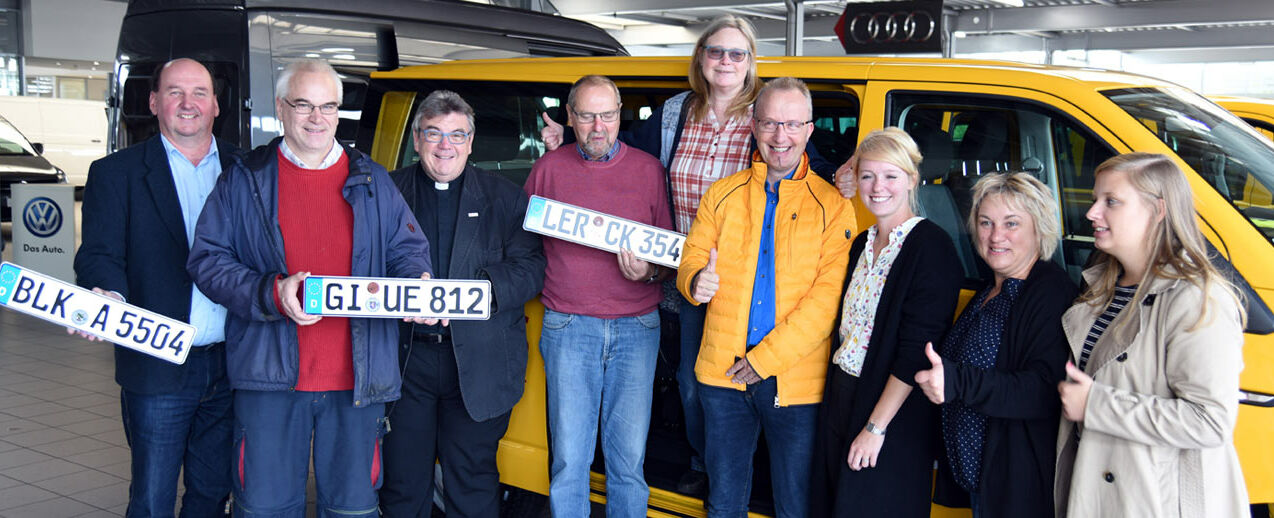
(1227, 38)
(1161, 13)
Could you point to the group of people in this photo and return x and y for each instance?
(835, 341)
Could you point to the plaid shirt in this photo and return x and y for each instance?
(707, 152)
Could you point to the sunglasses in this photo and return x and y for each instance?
(736, 55)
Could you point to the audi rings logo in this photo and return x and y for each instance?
(42, 217)
(892, 27)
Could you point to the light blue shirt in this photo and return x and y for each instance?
(194, 183)
(761, 316)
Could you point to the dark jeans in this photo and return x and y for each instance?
(430, 423)
(273, 437)
(190, 428)
(692, 317)
(734, 420)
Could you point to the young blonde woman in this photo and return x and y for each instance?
(1152, 396)
(873, 452)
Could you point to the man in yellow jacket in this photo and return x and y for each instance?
(767, 252)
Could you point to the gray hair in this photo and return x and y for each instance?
(784, 83)
(591, 80)
(439, 103)
(283, 86)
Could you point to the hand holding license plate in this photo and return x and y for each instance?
(397, 298)
(66, 304)
(602, 231)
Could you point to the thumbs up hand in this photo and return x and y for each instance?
(932, 381)
(706, 281)
(551, 133)
(1074, 391)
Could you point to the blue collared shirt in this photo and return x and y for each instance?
(194, 182)
(761, 314)
(614, 150)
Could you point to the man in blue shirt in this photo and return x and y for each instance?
(140, 209)
(767, 253)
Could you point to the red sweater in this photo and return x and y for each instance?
(318, 233)
(587, 281)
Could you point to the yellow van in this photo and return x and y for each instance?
(970, 118)
(1257, 112)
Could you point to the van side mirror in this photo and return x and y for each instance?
(39, 148)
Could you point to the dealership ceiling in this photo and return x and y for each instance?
(1164, 31)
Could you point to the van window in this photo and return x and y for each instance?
(964, 138)
(1264, 128)
(1229, 154)
(507, 120)
(506, 124)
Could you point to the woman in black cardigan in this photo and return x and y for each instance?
(874, 445)
(997, 376)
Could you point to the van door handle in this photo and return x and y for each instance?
(97, 141)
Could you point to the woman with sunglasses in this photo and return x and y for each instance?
(700, 136)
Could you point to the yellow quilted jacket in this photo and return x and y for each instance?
(814, 227)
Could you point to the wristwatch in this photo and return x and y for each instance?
(873, 429)
(653, 275)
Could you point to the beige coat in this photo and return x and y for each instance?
(1158, 431)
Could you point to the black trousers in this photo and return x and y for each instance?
(428, 423)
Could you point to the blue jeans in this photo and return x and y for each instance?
(599, 369)
(733, 420)
(692, 317)
(273, 436)
(190, 428)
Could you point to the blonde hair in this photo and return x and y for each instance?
(702, 90)
(893, 146)
(1023, 192)
(1178, 249)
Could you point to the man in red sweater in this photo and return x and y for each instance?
(601, 318)
(304, 205)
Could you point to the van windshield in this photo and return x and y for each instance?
(12, 143)
(1224, 150)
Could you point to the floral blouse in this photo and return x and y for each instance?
(867, 282)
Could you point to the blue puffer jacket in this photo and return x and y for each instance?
(238, 252)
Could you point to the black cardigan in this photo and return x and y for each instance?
(1020, 399)
(916, 305)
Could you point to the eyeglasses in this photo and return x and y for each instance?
(434, 136)
(587, 117)
(304, 108)
(769, 126)
(736, 55)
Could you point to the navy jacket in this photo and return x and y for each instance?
(1019, 398)
(238, 253)
(135, 243)
(489, 244)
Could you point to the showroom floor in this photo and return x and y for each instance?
(62, 447)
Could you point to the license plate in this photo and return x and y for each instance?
(398, 298)
(27, 291)
(602, 231)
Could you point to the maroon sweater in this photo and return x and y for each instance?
(587, 281)
(318, 227)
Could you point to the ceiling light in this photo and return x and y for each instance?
(344, 56)
(1010, 3)
(337, 49)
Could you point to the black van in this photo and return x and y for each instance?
(247, 43)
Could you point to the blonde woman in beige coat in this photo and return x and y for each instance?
(1152, 396)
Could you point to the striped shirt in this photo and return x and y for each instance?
(1122, 296)
(708, 151)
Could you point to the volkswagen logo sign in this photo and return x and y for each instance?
(42, 217)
